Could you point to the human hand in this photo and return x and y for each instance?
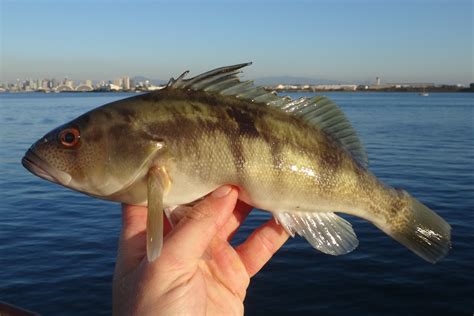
(198, 271)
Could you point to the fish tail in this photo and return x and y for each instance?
(419, 228)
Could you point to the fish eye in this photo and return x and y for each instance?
(69, 137)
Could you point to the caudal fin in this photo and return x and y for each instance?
(421, 230)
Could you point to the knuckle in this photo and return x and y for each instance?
(267, 244)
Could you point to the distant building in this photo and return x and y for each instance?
(84, 88)
(346, 87)
(126, 83)
(114, 87)
(287, 87)
(411, 85)
(377, 81)
(69, 83)
(64, 87)
(117, 82)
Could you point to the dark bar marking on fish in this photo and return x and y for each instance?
(235, 144)
(397, 208)
(95, 134)
(276, 150)
(195, 107)
(107, 115)
(245, 121)
(207, 98)
(155, 96)
(331, 157)
(117, 130)
(121, 131)
(191, 96)
(85, 118)
(128, 115)
(364, 183)
(234, 133)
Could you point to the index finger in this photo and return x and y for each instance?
(261, 245)
(240, 213)
(191, 237)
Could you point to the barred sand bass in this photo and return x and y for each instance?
(299, 159)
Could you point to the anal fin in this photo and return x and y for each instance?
(326, 232)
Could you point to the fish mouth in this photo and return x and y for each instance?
(37, 166)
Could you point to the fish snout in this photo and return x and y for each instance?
(34, 164)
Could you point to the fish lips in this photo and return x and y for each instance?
(37, 166)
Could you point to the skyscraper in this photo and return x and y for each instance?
(126, 83)
(117, 82)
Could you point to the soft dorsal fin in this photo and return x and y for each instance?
(319, 111)
(326, 115)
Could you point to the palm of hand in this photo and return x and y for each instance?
(198, 272)
(210, 286)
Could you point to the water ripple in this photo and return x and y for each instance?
(58, 247)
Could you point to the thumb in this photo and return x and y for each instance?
(191, 237)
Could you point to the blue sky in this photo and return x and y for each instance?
(349, 41)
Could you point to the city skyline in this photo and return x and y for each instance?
(275, 80)
(141, 84)
(347, 41)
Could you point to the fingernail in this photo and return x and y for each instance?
(221, 191)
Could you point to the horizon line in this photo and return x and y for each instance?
(262, 78)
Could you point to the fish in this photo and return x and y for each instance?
(299, 159)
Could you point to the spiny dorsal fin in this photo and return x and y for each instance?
(208, 77)
(319, 111)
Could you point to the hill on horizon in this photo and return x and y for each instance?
(292, 80)
(264, 81)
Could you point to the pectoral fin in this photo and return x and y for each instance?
(157, 185)
(175, 213)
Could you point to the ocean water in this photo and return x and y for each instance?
(58, 247)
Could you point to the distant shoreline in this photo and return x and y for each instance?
(404, 90)
(408, 90)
